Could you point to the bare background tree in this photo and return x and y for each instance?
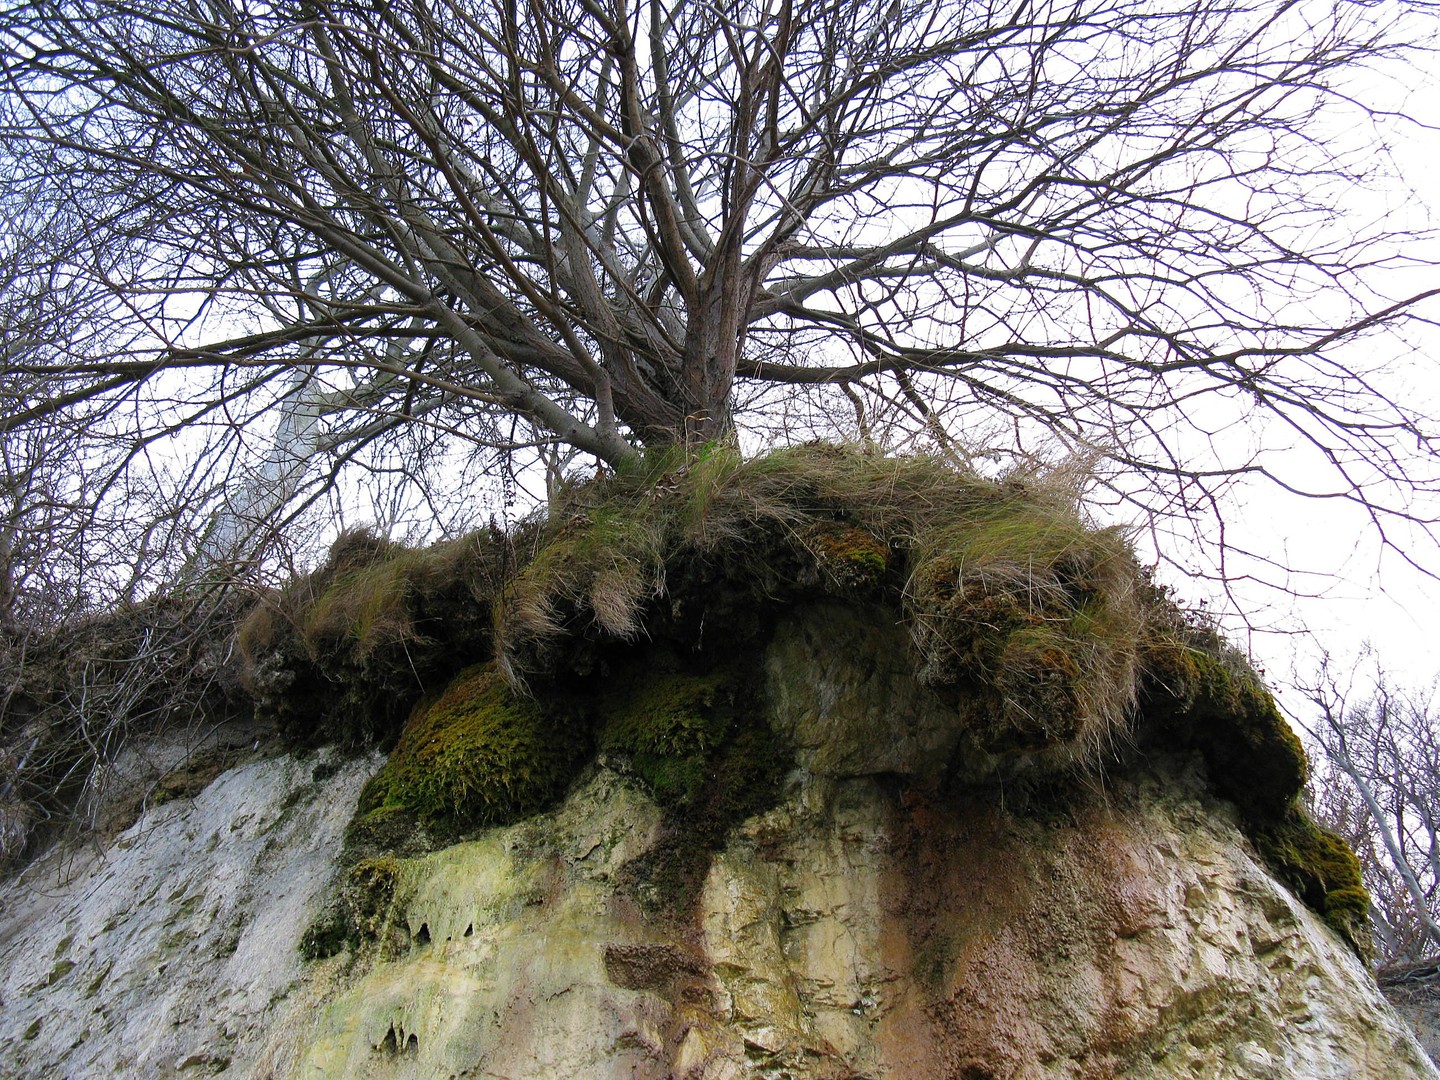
(284, 250)
(1376, 781)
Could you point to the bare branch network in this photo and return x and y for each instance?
(287, 242)
(1378, 786)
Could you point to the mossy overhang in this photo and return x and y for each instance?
(1042, 623)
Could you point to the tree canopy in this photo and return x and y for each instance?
(260, 248)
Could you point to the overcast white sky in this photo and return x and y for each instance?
(1361, 594)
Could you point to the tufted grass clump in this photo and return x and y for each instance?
(1010, 594)
(604, 561)
(343, 653)
(1017, 595)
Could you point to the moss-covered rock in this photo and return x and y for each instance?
(478, 754)
(327, 936)
(702, 744)
(701, 741)
(1203, 694)
(366, 910)
(670, 726)
(855, 560)
(1322, 870)
(1207, 696)
(387, 829)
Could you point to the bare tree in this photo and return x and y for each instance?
(454, 233)
(1377, 783)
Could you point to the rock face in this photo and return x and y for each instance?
(853, 933)
(858, 929)
(908, 904)
(877, 921)
(173, 951)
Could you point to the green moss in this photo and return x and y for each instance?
(327, 936)
(708, 757)
(479, 754)
(1217, 703)
(670, 726)
(1322, 870)
(745, 779)
(1205, 693)
(59, 971)
(378, 828)
(853, 558)
(1253, 755)
(370, 893)
(365, 911)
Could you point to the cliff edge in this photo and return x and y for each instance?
(808, 766)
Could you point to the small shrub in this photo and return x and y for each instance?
(74, 695)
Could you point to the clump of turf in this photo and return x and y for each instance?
(341, 654)
(1010, 594)
(1019, 597)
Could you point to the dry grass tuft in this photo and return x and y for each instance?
(1009, 592)
(344, 652)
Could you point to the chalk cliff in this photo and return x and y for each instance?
(820, 765)
(867, 924)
